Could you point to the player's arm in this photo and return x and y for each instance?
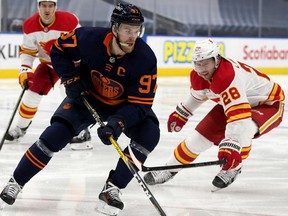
(28, 53)
(66, 60)
(184, 110)
(239, 124)
(65, 54)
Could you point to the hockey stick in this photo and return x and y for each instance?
(130, 166)
(208, 163)
(12, 117)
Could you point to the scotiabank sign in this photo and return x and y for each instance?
(265, 53)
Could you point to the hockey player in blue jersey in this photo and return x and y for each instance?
(117, 71)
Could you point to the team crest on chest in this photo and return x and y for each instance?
(106, 87)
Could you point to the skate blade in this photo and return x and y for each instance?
(12, 141)
(81, 146)
(2, 204)
(215, 189)
(106, 209)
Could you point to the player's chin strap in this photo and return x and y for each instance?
(129, 165)
(120, 44)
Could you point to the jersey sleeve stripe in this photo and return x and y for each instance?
(238, 117)
(276, 94)
(238, 112)
(31, 52)
(238, 107)
(58, 46)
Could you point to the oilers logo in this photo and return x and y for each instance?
(106, 87)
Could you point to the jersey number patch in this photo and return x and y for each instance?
(230, 94)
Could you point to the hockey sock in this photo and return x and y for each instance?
(122, 175)
(28, 108)
(183, 155)
(33, 161)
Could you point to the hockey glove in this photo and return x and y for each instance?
(178, 118)
(26, 77)
(230, 151)
(74, 87)
(114, 128)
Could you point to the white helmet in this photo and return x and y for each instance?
(55, 1)
(205, 49)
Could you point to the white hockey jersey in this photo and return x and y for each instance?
(38, 39)
(238, 88)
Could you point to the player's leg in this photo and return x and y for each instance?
(144, 138)
(82, 140)
(264, 118)
(69, 118)
(267, 117)
(26, 112)
(44, 79)
(190, 148)
(206, 133)
(185, 153)
(53, 139)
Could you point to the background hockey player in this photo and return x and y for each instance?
(40, 32)
(118, 72)
(249, 104)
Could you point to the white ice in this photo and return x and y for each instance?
(70, 184)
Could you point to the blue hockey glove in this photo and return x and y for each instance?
(74, 87)
(114, 128)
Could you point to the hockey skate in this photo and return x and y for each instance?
(109, 200)
(224, 178)
(82, 141)
(158, 177)
(15, 133)
(10, 193)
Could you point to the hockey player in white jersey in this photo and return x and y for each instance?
(40, 32)
(248, 105)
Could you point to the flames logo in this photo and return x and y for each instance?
(46, 46)
(106, 87)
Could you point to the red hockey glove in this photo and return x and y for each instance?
(230, 151)
(26, 77)
(114, 128)
(178, 118)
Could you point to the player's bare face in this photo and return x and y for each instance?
(205, 68)
(47, 12)
(127, 35)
